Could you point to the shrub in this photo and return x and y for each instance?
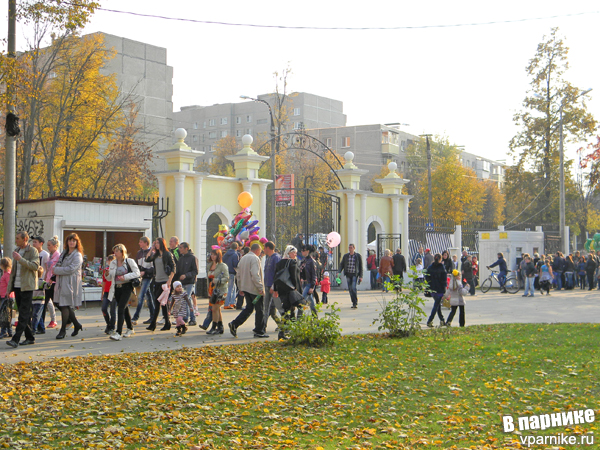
(402, 316)
(314, 331)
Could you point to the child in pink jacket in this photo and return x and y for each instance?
(6, 299)
(325, 287)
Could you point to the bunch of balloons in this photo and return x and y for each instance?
(242, 230)
(593, 245)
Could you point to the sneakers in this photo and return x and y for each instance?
(430, 324)
(354, 307)
(116, 336)
(233, 329)
(129, 333)
(448, 324)
(52, 324)
(134, 322)
(192, 323)
(160, 322)
(27, 342)
(530, 295)
(12, 343)
(229, 307)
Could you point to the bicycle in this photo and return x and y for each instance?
(511, 284)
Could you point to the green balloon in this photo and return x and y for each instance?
(597, 237)
(587, 245)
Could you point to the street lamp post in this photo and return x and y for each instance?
(429, 195)
(273, 152)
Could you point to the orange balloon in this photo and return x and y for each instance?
(220, 239)
(245, 199)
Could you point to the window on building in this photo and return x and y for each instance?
(238, 133)
(204, 124)
(389, 137)
(296, 111)
(195, 125)
(212, 148)
(298, 125)
(329, 142)
(195, 138)
(248, 131)
(248, 118)
(238, 120)
(211, 122)
(474, 165)
(486, 166)
(223, 120)
(345, 142)
(224, 133)
(212, 134)
(261, 121)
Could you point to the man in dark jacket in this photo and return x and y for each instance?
(232, 259)
(529, 273)
(437, 281)
(309, 275)
(558, 267)
(352, 267)
(399, 265)
(186, 272)
(269, 303)
(467, 273)
(501, 263)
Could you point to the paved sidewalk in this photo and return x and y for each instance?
(493, 307)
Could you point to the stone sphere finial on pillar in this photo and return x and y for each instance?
(180, 134)
(349, 157)
(392, 166)
(247, 140)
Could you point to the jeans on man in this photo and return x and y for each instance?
(259, 320)
(558, 279)
(529, 286)
(145, 291)
(374, 279)
(471, 284)
(437, 307)
(569, 280)
(502, 280)
(309, 299)
(269, 307)
(231, 291)
(352, 280)
(23, 301)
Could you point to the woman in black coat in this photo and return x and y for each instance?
(590, 269)
(437, 277)
(447, 261)
(164, 270)
(289, 296)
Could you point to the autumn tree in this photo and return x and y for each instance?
(457, 194)
(536, 146)
(493, 203)
(416, 170)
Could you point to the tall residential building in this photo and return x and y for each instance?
(373, 146)
(206, 125)
(142, 69)
(485, 169)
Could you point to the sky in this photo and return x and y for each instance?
(464, 82)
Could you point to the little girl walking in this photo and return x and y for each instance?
(179, 301)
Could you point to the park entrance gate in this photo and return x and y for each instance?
(303, 214)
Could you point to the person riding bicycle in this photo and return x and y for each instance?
(501, 263)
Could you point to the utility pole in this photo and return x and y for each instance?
(429, 199)
(10, 169)
(561, 168)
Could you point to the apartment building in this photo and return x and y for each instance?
(206, 125)
(485, 169)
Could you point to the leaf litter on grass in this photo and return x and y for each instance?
(366, 392)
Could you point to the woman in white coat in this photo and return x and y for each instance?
(68, 290)
(122, 271)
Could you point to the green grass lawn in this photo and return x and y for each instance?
(438, 390)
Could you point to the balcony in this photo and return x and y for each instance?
(390, 149)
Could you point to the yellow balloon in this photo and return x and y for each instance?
(245, 199)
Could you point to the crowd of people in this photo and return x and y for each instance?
(34, 280)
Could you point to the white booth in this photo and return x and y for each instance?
(99, 223)
(511, 243)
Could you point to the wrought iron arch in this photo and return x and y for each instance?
(299, 140)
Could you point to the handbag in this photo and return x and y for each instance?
(446, 302)
(283, 277)
(135, 282)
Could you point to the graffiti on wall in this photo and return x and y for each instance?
(31, 225)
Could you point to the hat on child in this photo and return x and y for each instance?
(455, 273)
(326, 274)
(176, 284)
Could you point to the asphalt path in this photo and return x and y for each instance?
(490, 308)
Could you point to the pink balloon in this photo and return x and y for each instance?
(333, 239)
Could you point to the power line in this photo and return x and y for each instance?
(289, 27)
